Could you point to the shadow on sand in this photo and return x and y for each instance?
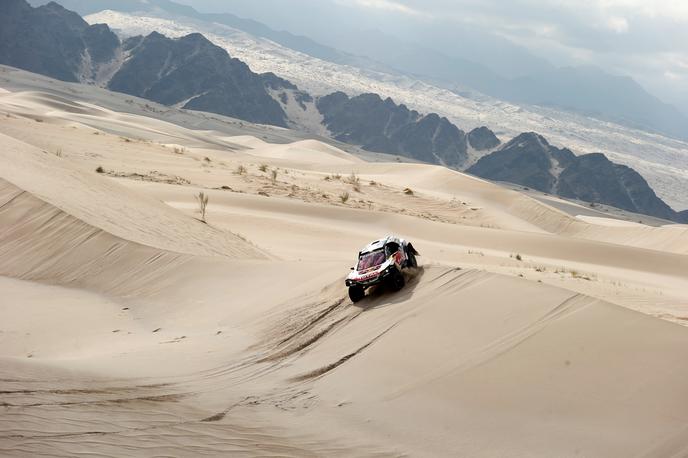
(380, 296)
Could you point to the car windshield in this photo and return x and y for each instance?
(372, 259)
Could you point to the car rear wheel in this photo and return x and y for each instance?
(396, 281)
(356, 293)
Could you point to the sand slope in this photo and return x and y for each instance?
(128, 327)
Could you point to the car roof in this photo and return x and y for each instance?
(378, 244)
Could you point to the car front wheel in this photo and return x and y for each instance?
(356, 293)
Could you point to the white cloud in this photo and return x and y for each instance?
(672, 76)
(389, 5)
(617, 24)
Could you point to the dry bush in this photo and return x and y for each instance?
(202, 199)
(408, 191)
(344, 197)
(100, 169)
(353, 179)
(273, 176)
(240, 170)
(263, 167)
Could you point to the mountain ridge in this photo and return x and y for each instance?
(529, 160)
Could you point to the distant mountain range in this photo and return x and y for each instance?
(588, 91)
(529, 160)
(193, 73)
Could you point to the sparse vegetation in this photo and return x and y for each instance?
(58, 152)
(575, 274)
(263, 167)
(354, 181)
(125, 139)
(179, 150)
(207, 159)
(408, 191)
(100, 169)
(516, 256)
(273, 176)
(240, 170)
(344, 197)
(202, 199)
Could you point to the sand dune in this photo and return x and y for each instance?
(129, 327)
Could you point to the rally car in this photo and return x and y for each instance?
(381, 262)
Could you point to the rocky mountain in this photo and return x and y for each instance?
(383, 126)
(52, 41)
(482, 139)
(189, 71)
(199, 75)
(529, 160)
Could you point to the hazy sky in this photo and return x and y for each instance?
(646, 39)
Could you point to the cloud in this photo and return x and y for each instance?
(645, 39)
(617, 24)
(386, 5)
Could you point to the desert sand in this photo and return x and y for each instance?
(128, 327)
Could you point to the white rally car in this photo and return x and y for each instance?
(381, 262)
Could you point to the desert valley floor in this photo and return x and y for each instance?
(129, 327)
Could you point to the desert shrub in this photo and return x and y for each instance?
(100, 169)
(240, 170)
(202, 199)
(408, 191)
(273, 175)
(263, 167)
(344, 197)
